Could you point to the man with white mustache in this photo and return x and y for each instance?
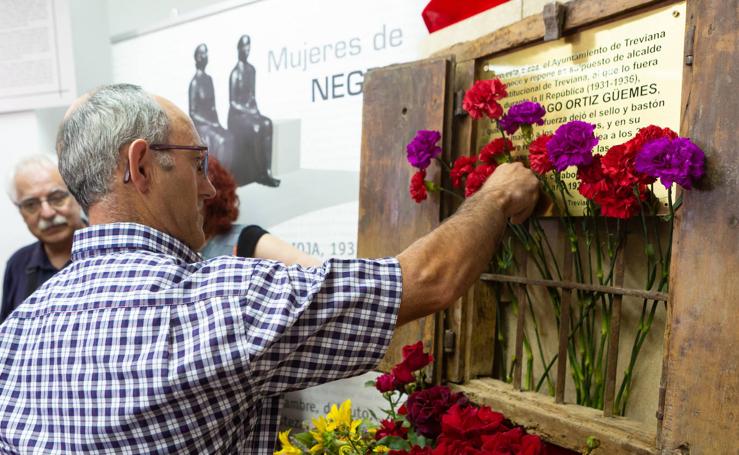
(52, 215)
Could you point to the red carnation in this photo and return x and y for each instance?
(494, 148)
(415, 358)
(592, 179)
(477, 178)
(482, 99)
(385, 383)
(389, 427)
(418, 186)
(620, 201)
(538, 155)
(615, 200)
(462, 166)
(618, 164)
(648, 134)
(426, 407)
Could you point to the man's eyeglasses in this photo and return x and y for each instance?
(32, 205)
(202, 164)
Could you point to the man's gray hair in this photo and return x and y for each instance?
(91, 136)
(27, 164)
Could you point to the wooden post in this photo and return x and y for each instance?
(701, 411)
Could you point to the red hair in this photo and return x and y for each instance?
(222, 210)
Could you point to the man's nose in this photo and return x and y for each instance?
(47, 211)
(207, 190)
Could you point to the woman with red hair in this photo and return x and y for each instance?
(226, 238)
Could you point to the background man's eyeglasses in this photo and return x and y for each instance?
(32, 205)
(202, 161)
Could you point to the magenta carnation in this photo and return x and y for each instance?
(572, 145)
(523, 113)
(422, 149)
(672, 161)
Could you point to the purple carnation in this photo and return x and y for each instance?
(572, 145)
(672, 160)
(422, 149)
(524, 113)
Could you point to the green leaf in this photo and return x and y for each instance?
(304, 438)
(369, 384)
(396, 443)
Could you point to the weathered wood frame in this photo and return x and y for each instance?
(712, 27)
(700, 386)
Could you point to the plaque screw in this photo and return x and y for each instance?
(676, 13)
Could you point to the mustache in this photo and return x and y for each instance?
(58, 220)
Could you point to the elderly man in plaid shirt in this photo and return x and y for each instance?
(140, 346)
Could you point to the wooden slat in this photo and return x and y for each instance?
(460, 316)
(531, 29)
(701, 412)
(564, 326)
(615, 290)
(398, 101)
(566, 425)
(613, 337)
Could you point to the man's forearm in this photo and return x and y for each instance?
(441, 266)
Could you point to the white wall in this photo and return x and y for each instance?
(31, 132)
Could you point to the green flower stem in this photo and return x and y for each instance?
(444, 164)
(550, 384)
(453, 193)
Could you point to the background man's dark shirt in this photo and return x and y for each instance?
(26, 270)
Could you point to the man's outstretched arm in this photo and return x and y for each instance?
(439, 267)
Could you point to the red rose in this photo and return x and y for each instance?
(402, 374)
(477, 178)
(481, 99)
(389, 427)
(418, 186)
(538, 155)
(403, 409)
(494, 148)
(470, 423)
(462, 166)
(426, 407)
(458, 447)
(415, 358)
(385, 383)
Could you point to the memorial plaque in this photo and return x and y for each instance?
(620, 76)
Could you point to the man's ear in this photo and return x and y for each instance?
(139, 164)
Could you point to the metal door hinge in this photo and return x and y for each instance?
(554, 20)
(450, 339)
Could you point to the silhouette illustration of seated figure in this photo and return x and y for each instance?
(252, 131)
(203, 111)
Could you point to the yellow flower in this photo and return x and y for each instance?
(381, 449)
(341, 417)
(287, 447)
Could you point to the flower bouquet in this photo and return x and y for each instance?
(610, 188)
(419, 420)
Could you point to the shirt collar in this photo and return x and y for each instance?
(119, 237)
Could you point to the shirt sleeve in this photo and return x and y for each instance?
(308, 326)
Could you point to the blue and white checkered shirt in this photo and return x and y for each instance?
(140, 347)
